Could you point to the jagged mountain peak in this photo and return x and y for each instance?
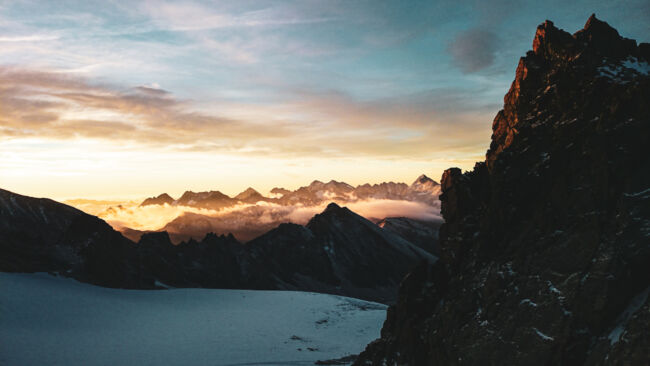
(565, 67)
(546, 232)
(597, 37)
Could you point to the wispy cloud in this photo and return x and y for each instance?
(29, 38)
(52, 105)
(193, 16)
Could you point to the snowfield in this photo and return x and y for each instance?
(47, 320)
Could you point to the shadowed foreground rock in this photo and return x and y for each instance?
(545, 246)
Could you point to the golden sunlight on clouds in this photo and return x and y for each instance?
(242, 217)
(95, 140)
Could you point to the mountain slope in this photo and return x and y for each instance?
(41, 235)
(545, 245)
(424, 234)
(338, 252)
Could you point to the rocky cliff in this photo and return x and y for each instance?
(546, 244)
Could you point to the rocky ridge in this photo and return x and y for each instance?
(423, 189)
(545, 245)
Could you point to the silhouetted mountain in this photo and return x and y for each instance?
(338, 252)
(41, 235)
(545, 246)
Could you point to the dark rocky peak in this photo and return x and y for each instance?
(599, 37)
(334, 210)
(544, 248)
(567, 74)
(552, 43)
(332, 207)
(337, 219)
(159, 200)
(333, 216)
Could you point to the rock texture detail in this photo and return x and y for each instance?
(546, 244)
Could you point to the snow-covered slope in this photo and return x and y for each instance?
(46, 320)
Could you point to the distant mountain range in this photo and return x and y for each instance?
(337, 252)
(250, 214)
(423, 189)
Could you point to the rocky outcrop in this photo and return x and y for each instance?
(545, 246)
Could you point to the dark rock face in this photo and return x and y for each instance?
(546, 245)
(424, 234)
(41, 235)
(214, 262)
(337, 252)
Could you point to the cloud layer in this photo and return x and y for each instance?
(245, 221)
(54, 105)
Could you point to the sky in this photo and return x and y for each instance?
(121, 99)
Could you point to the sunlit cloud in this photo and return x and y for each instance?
(161, 95)
(244, 220)
(45, 104)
